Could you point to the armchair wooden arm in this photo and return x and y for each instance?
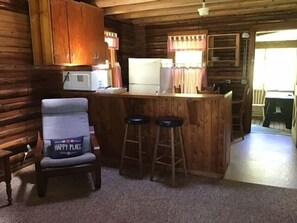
(94, 142)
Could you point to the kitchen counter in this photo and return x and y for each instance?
(206, 129)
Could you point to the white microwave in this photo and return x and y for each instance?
(86, 80)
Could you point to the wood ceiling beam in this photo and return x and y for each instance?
(159, 4)
(110, 3)
(212, 13)
(191, 9)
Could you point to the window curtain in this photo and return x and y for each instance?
(188, 77)
(188, 42)
(112, 40)
(117, 76)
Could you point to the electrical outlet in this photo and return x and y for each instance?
(29, 148)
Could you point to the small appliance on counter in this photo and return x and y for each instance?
(87, 80)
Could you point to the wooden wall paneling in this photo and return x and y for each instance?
(22, 85)
(127, 41)
(17, 19)
(207, 135)
(225, 139)
(215, 133)
(140, 41)
(200, 143)
(20, 6)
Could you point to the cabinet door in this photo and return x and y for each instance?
(102, 46)
(60, 37)
(93, 31)
(74, 13)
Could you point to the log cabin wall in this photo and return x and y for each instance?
(151, 41)
(156, 37)
(156, 44)
(127, 44)
(132, 43)
(22, 85)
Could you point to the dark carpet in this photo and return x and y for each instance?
(124, 199)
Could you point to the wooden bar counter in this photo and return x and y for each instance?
(206, 129)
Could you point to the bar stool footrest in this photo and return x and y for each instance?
(177, 160)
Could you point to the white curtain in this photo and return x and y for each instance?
(186, 42)
(188, 79)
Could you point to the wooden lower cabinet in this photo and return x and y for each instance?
(206, 128)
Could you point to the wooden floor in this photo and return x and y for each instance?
(269, 159)
(280, 126)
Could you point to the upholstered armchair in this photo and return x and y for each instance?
(65, 143)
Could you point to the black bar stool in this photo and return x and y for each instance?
(137, 120)
(174, 124)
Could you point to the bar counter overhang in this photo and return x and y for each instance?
(206, 128)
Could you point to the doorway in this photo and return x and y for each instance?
(266, 158)
(274, 73)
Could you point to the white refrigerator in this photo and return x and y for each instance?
(150, 75)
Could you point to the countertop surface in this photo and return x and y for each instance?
(146, 95)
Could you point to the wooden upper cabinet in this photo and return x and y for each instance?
(93, 34)
(74, 13)
(70, 32)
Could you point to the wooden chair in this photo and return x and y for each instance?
(65, 144)
(258, 103)
(208, 90)
(238, 109)
(177, 89)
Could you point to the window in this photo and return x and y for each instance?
(275, 69)
(188, 58)
(112, 41)
(188, 53)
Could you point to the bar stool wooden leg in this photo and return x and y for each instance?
(155, 153)
(172, 156)
(182, 150)
(123, 150)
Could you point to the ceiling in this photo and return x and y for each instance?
(150, 12)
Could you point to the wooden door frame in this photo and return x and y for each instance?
(251, 56)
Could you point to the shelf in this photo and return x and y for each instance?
(221, 61)
(225, 47)
(221, 48)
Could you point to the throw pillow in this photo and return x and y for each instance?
(64, 148)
